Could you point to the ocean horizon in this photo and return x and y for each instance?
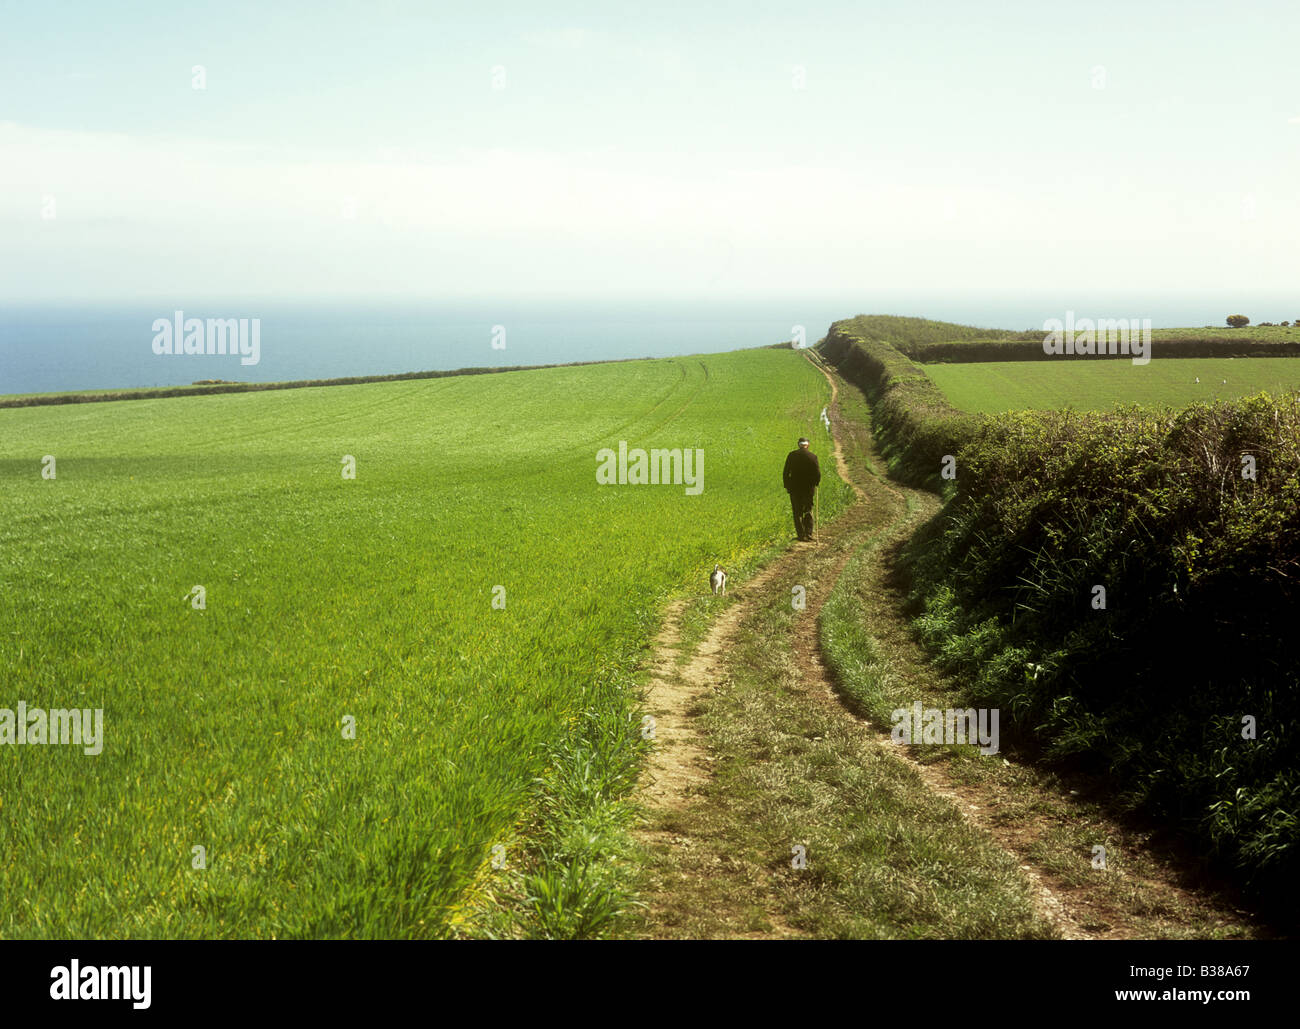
(53, 347)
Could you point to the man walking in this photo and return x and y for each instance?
(801, 477)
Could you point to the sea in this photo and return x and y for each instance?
(65, 346)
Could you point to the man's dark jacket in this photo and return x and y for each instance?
(802, 472)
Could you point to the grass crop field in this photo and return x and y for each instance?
(330, 599)
(993, 387)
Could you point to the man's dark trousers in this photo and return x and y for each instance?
(802, 503)
(800, 477)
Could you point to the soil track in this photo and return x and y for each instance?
(680, 763)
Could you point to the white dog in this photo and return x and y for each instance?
(718, 580)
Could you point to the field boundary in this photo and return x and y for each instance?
(1028, 351)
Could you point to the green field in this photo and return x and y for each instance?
(992, 387)
(328, 598)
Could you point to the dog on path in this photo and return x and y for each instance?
(718, 580)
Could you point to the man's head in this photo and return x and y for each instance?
(803, 443)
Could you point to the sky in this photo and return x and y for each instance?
(447, 151)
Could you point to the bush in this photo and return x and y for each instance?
(1032, 350)
(1237, 321)
(1202, 574)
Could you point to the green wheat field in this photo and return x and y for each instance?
(334, 602)
(996, 386)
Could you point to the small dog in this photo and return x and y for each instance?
(718, 580)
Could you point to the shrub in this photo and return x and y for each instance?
(1238, 320)
(1202, 574)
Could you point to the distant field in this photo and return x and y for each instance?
(325, 598)
(991, 387)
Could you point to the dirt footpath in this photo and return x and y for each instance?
(703, 882)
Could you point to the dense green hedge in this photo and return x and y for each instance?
(1032, 350)
(914, 424)
(1201, 624)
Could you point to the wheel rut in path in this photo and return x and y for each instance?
(679, 766)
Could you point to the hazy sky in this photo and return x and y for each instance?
(512, 149)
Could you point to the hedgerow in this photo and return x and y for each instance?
(1190, 522)
(914, 424)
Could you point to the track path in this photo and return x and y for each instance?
(680, 766)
